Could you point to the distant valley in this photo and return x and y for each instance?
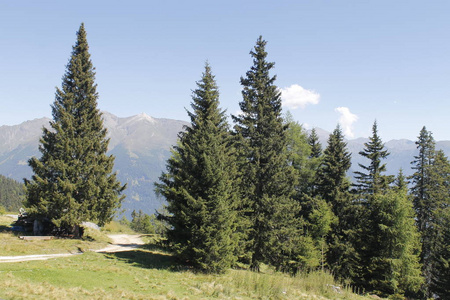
(141, 145)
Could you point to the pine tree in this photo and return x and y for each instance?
(73, 180)
(268, 181)
(333, 187)
(435, 237)
(316, 147)
(420, 179)
(199, 185)
(373, 181)
(428, 189)
(332, 174)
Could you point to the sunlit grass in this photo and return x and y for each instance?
(151, 274)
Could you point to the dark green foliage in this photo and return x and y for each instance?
(430, 191)
(12, 194)
(332, 173)
(316, 147)
(440, 279)
(73, 180)
(268, 180)
(333, 187)
(199, 185)
(393, 243)
(435, 237)
(371, 180)
(421, 178)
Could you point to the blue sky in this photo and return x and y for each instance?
(336, 61)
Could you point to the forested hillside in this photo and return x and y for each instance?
(12, 194)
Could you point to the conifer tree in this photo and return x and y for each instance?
(428, 188)
(400, 181)
(316, 147)
(421, 178)
(393, 266)
(333, 187)
(73, 180)
(199, 185)
(435, 242)
(268, 180)
(371, 180)
(440, 279)
(332, 174)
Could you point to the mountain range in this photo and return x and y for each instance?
(142, 144)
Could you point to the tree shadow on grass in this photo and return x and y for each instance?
(4, 228)
(147, 259)
(9, 229)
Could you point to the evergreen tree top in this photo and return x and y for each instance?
(373, 181)
(260, 96)
(205, 102)
(400, 181)
(426, 146)
(374, 148)
(313, 141)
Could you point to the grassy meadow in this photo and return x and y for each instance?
(145, 273)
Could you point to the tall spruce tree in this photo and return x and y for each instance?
(199, 185)
(435, 240)
(371, 180)
(268, 180)
(425, 205)
(73, 180)
(334, 188)
(421, 178)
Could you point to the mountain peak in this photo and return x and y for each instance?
(143, 117)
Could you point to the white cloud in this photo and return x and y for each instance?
(295, 96)
(346, 120)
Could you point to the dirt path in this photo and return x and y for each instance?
(123, 242)
(120, 243)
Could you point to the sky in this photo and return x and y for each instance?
(347, 62)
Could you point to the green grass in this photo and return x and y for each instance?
(146, 273)
(151, 273)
